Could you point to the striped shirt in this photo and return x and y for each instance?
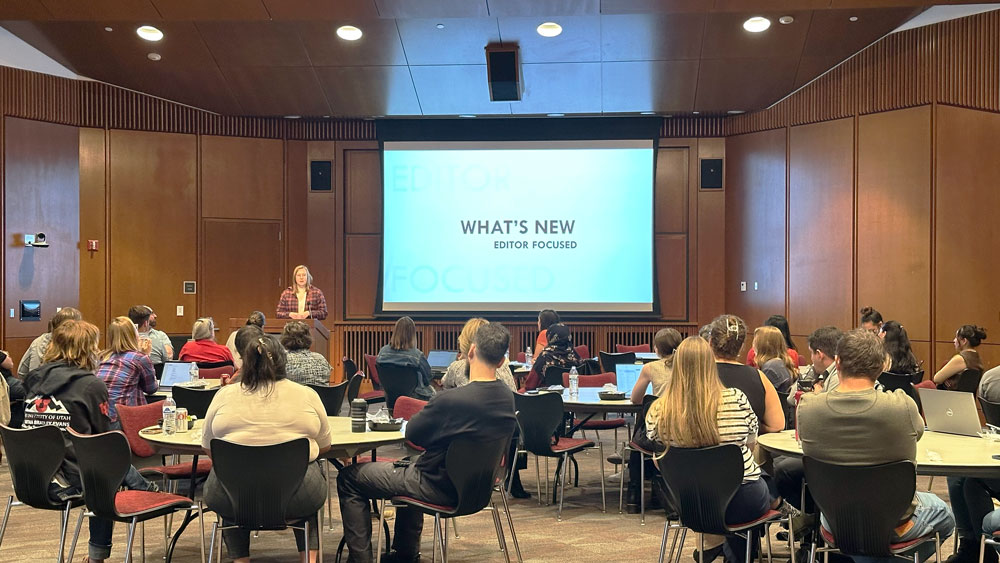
(736, 422)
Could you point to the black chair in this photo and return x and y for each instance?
(640, 444)
(474, 468)
(539, 418)
(991, 411)
(702, 482)
(259, 482)
(196, 401)
(17, 413)
(397, 381)
(332, 396)
(609, 360)
(214, 365)
(353, 387)
(589, 366)
(553, 375)
(968, 380)
(892, 381)
(917, 376)
(350, 368)
(104, 459)
(881, 493)
(33, 456)
(787, 409)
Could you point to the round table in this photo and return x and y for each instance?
(588, 401)
(948, 455)
(344, 443)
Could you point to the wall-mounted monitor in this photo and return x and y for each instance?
(31, 310)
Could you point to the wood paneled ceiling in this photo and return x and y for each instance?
(425, 57)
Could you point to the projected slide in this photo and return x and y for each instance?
(518, 226)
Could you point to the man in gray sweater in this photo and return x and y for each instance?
(855, 424)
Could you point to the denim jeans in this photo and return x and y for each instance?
(930, 515)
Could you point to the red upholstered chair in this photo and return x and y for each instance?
(217, 372)
(377, 395)
(640, 349)
(104, 459)
(134, 419)
(583, 351)
(406, 408)
(521, 357)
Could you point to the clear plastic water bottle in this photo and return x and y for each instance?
(169, 416)
(527, 357)
(574, 382)
(193, 373)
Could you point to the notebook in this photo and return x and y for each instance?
(953, 412)
(627, 375)
(441, 359)
(175, 373)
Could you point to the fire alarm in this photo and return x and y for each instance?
(92, 245)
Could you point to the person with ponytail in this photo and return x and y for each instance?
(871, 320)
(967, 339)
(658, 373)
(263, 409)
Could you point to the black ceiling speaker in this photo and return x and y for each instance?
(503, 67)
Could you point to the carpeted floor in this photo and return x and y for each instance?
(584, 535)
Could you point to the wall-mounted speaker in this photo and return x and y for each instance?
(503, 67)
(711, 173)
(321, 175)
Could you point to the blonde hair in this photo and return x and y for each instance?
(770, 344)
(690, 406)
(204, 329)
(309, 276)
(123, 337)
(469, 334)
(74, 343)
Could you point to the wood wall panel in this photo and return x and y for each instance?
(894, 217)
(966, 238)
(362, 255)
(296, 197)
(671, 190)
(943, 351)
(711, 237)
(322, 237)
(242, 270)
(672, 275)
(94, 265)
(363, 191)
(820, 188)
(153, 216)
(241, 178)
(922, 350)
(42, 194)
(755, 225)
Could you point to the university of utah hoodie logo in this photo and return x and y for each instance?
(45, 411)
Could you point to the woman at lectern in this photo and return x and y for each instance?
(302, 300)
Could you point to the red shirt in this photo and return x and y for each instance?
(205, 351)
(751, 355)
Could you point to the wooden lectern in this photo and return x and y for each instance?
(320, 334)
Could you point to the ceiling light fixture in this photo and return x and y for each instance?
(853, 18)
(647, 113)
(695, 112)
(549, 29)
(154, 56)
(439, 26)
(735, 111)
(349, 33)
(293, 117)
(109, 28)
(149, 33)
(757, 24)
(466, 115)
(556, 114)
(785, 20)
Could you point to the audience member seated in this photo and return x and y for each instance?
(244, 336)
(658, 373)
(557, 352)
(727, 335)
(897, 345)
(64, 392)
(402, 351)
(256, 319)
(125, 370)
(160, 349)
(773, 358)
(304, 366)
(698, 411)
(202, 347)
(967, 339)
(483, 410)
(546, 318)
(302, 300)
(781, 323)
(457, 374)
(264, 409)
(36, 351)
(989, 386)
(871, 320)
(855, 424)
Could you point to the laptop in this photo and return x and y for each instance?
(953, 412)
(441, 359)
(175, 373)
(627, 375)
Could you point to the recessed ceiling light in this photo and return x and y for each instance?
(149, 33)
(109, 28)
(466, 115)
(647, 113)
(695, 112)
(734, 111)
(756, 24)
(439, 26)
(293, 117)
(556, 114)
(549, 29)
(154, 56)
(349, 33)
(785, 20)
(853, 18)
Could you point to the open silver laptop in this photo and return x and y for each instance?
(953, 412)
(175, 373)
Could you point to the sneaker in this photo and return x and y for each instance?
(787, 510)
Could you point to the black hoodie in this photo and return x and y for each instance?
(66, 396)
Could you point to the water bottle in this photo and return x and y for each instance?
(574, 382)
(169, 416)
(193, 373)
(527, 357)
